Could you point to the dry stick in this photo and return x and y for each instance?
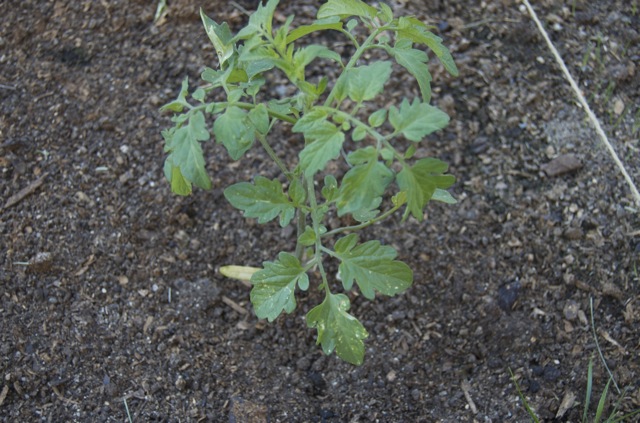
(584, 104)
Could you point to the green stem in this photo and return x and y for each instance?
(274, 156)
(313, 203)
(301, 223)
(364, 224)
(352, 62)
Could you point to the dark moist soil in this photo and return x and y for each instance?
(111, 304)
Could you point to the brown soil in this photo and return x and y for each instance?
(110, 301)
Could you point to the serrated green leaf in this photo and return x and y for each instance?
(319, 25)
(220, 36)
(346, 8)
(323, 141)
(338, 330)
(443, 196)
(362, 187)
(377, 118)
(186, 153)
(364, 82)
(274, 286)
(234, 130)
(420, 182)
(264, 200)
(417, 32)
(259, 21)
(415, 62)
(372, 267)
(417, 120)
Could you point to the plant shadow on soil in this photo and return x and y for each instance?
(121, 309)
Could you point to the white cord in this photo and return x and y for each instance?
(585, 105)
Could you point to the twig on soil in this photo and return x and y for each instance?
(583, 102)
(465, 390)
(24, 192)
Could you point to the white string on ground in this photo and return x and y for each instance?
(585, 105)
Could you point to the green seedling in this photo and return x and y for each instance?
(382, 175)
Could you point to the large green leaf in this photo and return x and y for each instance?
(274, 286)
(220, 36)
(420, 183)
(263, 200)
(372, 266)
(363, 185)
(337, 329)
(346, 8)
(417, 32)
(186, 153)
(234, 130)
(414, 61)
(417, 120)
(323, 141)
(364, 82)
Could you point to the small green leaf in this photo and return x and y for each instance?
(359, 133)
(297, 192)
(417, 32)
(308, 237)
(362, 188)
(330, 188)
(372, 267)
(186, 153)
(260, 21)
(377, 118)
(220, 36)
(346, 8)
(351, 24)
(234, 131)
(259, 117)
(306, 55)
(420, 182)
(417, 120)
(179, 185)
(364, 82)
(443, 196)
(263, 200)
(274, 286)
(180, 103)
(415, 61)
(323, 141)
(319, 25)
(385, 13)
(338, 330)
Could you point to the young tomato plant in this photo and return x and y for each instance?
(382, 178)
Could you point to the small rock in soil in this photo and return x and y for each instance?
(507, 295)
(561, 165)
(551, 373)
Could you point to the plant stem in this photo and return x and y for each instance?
(313, 203)
(364, 224)
(301, 226)
(352, 62)
(274, 156)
